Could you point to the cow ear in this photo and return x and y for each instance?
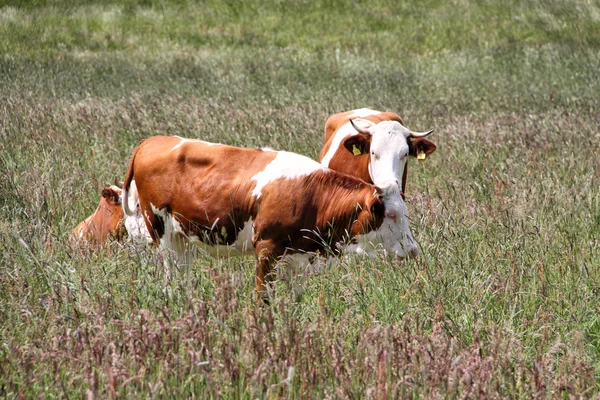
(112, 196)
(419, 145)
(378, 207)
(358, 144)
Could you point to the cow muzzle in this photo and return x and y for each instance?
(406, 252)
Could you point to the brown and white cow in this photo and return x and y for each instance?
(105, 223)
(373, 146)
(273, 202)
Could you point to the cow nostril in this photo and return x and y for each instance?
(392, 216)
(413, 252)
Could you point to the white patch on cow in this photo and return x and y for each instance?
(177, 240)
(347, 130)
(133, 198)
(185, 140)
(171, 226)
(241, 246)
(174, 242)
(243, 242)
(389, 151)
(136, 227)
(363, 113)
(134, 222)
(284, 165)
(393, 236)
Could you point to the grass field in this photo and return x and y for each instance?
(503, 300)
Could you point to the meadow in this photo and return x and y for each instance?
(503, 300)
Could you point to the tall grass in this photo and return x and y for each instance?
(503, 299)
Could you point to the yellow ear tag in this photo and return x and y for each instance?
(421, 156)
(356, 151)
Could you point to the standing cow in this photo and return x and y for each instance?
(373, 146)
(273, 202)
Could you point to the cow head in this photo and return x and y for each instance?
(109, 215)
(383, 224)
(394, 234)
(106, 222)
(389, 144)
(112, 196)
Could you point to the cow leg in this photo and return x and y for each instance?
(265, 259)
(294, 268)
(173, 242)
(182, 249)
(177, 251)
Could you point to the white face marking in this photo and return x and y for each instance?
(389, 150)
(347, 130)
(393, 237)
(184, 140)
(284, 165)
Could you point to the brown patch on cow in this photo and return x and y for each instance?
(418, 144)
(326, 207)
(209, 191)
(359, 141)
(171, 180)
(346, 162)
(329, 203)
(105, 223)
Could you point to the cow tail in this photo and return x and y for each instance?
(127, 183)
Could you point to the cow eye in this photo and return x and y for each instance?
(377, 208)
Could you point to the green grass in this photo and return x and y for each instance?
(503, 300)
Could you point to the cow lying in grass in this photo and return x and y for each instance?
(273, 203)
(108, 222)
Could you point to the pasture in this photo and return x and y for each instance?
(503, 300)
